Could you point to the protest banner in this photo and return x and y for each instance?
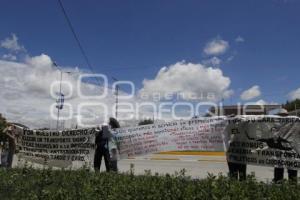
(201, 134)
(264, 140)
(64, 149)
(254, 140)
(75, 148)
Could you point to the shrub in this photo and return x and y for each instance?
(28, 183)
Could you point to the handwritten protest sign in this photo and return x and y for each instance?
(203, 134)
(258, 140)
(69, 148)
(264, 141)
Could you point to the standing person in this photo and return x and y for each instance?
(235, 132)
(113, 123)
(4, 153)
(102, 148)
(1, 152)
(10, 132)
(279, 171)
(113, 157)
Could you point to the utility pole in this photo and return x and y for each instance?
(117, 100)
(58, 106)
(117, 97)
(60, 99)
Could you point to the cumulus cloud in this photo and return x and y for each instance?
(295, 94)
(25, 94)
(11, 43)
(9, 57)
(216, 46)
(239, 39)
(261, 102)
(25, 89)
(214, 61)
(251, 93)
(230, 58)
(190, 79)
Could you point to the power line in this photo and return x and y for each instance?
(83, 52)
(113, 69)
(82, 49)
(123, 68)
(76, 38)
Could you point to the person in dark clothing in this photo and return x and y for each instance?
(114, 124)
(11, 151)
(102, 149)
(234, 132)
(11, 138)
(279, 171)
(237, 171)
(114, 161)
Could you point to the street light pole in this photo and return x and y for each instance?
(60, 100)
(117, 100)
(58, 108)
(117, 97)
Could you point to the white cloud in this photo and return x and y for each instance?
(239, 39)
(251, 93)
(25, 93)
(230, 58)
(295, 94)
(261, 102)
(189, 78)
(214, 61)
(11, 43)
(228, 93)
(216, 47)
(25, 88)
(9, 57)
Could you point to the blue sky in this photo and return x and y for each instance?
(133, 40)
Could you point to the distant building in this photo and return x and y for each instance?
(243, 109)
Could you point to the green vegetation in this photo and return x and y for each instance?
(291, 105)
(46, 184)
(146, 121)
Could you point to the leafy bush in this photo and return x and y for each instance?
(46, 184)
(146, 122)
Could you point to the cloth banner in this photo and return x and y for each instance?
(203, 134)
(264, 140)
(75, 148)
(255, 140)
(63, 149)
